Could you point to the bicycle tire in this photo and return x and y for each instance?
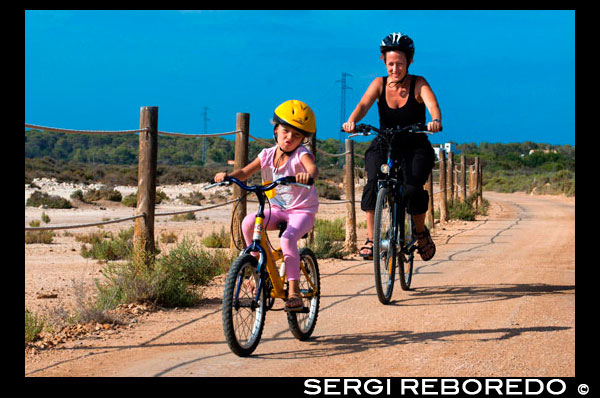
(384, 258)
(302, 324)
(406, 262)
(243, 319)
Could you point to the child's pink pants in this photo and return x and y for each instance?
(298, 224)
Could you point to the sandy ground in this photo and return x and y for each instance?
(498, 299)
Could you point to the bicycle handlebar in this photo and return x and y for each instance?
(364, 130)
(260, 188)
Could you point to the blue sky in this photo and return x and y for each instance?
(499, 76)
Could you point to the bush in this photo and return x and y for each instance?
(329, 237)
(39, 237)
(194, 198)
(219, 239)
(33, 326)
(328, 191)
(169, 281)
(103, 193)
(331, 230)
(39, 198)
(131, 199)
(325, 248)
(461, 211)
(184, 217)
(110, 249)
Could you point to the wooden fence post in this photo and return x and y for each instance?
(475, 179)
(429, 219)
(242, 125)
(480, 184)
(312, 145)
(443, 190)
(450, 182)
(143, 230)
(350, 243)
(463, 178)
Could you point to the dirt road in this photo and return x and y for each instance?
(498, 299)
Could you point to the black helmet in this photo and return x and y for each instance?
(398, 42)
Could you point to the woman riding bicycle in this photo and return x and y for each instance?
(401, 101)
(294, 121)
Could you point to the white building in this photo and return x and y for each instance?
(447, 147)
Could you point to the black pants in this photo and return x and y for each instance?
(417, 163)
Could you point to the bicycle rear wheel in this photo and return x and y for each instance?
(303, 323)
(384, 256)
(243, 317)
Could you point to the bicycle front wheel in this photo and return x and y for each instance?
(303, 323)
(243, 317)
(384, 258)
(407, 259)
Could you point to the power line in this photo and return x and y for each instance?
(343, 114)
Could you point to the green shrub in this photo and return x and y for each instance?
(131, 199)
(94, 195)
(329, 238)
(34, 324)
(184, 217)
(325, 248)
(39, 198)
(109, 248)
(39, 237)
(194, 198)
(327, 191)
(331, 230)
(461, 211)
(45, 218)
(220, 239)
(169, 281)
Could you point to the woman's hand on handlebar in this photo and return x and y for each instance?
(219, 177)
(434, 126)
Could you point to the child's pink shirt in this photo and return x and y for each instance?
(289, 197)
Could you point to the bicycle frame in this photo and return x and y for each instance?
(268, 259)
(396, 190)
(267, 263)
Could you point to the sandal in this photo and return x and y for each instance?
(367, 256)
(294, 303)
(427, 251)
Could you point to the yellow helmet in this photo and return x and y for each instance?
(296, 114)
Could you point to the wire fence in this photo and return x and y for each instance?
(454, 189)
(103, 132)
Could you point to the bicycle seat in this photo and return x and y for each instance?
(283, 225)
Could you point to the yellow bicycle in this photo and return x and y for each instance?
(252, 284)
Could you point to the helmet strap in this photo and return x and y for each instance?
(287, 153)
(278, 147)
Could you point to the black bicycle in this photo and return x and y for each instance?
(393, 239)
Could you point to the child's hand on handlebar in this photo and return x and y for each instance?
(349, 127)
(302, 178)
(219, 177)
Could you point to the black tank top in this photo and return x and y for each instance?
(412, 112)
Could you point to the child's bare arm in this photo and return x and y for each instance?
(241, 174)
(311, 170)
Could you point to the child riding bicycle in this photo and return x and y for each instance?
(294, 121)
